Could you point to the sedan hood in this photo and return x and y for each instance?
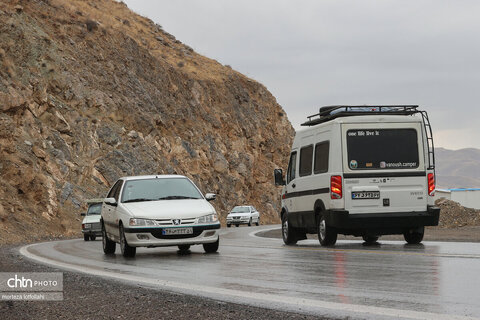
(167, 209)
(240, 214)
(92, 218)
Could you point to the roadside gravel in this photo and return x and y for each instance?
(89, 297)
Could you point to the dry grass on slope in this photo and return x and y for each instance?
(162, 45)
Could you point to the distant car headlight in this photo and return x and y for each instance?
(142, 222)
(208, 218)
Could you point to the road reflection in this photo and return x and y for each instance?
(340, 275)
(385, 274)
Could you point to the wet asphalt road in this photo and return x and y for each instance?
(436, 280)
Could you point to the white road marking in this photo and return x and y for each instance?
(276, 299)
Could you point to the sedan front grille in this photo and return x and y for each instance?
(96, 226)
(169, 222)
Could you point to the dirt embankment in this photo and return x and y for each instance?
(90, 91)
(454, 215)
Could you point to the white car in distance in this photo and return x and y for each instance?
(243, 215)
(156, 211)
(91, 222)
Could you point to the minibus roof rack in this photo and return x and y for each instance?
(328, 113)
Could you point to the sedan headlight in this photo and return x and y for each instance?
(142, 222)
(208, 218)
(88, 225)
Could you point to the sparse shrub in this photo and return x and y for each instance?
(181, 64)
(91, 25)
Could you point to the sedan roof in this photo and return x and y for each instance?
(158, 176)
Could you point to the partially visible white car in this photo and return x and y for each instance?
(156, 211)
(91, 223)
(243, 215)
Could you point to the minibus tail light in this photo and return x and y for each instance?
(336, 187)
(431, 184)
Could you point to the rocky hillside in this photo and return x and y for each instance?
(90, 91)
(458, 168)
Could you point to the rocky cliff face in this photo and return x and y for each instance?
(90, 91)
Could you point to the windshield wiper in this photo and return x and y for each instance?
(138, 200)
(176, 198)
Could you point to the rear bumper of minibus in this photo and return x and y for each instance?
(389, 222)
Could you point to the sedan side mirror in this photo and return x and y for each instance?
(83, 214)
(210, 196)
(278, 174)
(110, 201)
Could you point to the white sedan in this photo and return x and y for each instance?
(156, 211)
(243, 215)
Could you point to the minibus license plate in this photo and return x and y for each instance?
(176, 231)
(366, 195)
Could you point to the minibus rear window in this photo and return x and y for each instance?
(382, 149)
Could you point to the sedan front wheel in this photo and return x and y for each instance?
(127, 251)
(184, 247)
(211, 247)
(108, 245)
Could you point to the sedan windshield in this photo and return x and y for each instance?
(94, 209)
(159, 189)
(241, 210)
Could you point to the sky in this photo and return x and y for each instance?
(312, 53)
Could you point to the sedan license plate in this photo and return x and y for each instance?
(176, 231)
(366, 195)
